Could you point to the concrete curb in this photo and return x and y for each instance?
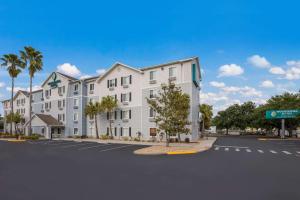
(203, 145)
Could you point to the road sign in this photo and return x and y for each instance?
(282, 114)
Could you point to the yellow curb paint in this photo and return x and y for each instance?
(180, 152)
(16, 140)
(262, 139)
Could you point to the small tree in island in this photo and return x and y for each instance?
(172, 108)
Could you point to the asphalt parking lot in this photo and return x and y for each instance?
(71, 170)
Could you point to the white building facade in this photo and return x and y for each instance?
(58, 109)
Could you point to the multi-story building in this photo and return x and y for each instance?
(58, 109)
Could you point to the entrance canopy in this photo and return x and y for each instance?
(45, 121)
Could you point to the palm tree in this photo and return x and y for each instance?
(32, 59)
(92, 110)
(14, 66)
(109, 104)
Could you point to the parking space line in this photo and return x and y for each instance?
(237, 149)
(286, 152)
(91, 147)
(273, 151)
(226, 149)
(217, 148)
(73, 145)
(260, 151)
(121, 147)
(248, 150)
(230, 146)
(60, 143)
(298, 152)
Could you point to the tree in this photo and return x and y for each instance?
(109, 104)
(206, 112)
(172, 108)
(286, 101)
(32, 59)
(92, 110)
(14, 66)
(15, 118)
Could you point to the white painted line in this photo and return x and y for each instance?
(260, 151)
(59, 143)
(115, 148)
(286, 152)
(298, 152)
(217, 148)
(273, 151)
(248, 150)
(90, 147)
(226, 149)
(73, 145)
(237, 149)
(230, 146)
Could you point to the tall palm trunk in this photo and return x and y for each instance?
(30, 106)
(110, 130)
(96, 126)
(12, 103)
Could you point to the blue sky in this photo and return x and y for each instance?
(249, 50)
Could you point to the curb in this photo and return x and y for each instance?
(180, 152)
(16, 141)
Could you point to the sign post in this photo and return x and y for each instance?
(282, 114)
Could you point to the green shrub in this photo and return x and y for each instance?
(137, 139)
(125, 138)
(105, 137)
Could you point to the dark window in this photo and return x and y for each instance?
(121, 131)
(129, 131)
(115, 131)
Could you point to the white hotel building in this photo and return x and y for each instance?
(58, 108)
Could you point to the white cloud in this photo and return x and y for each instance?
(267, 84)
(101, 71)
(259, 61)
(293, 73)
(231, 89)
(69, 69)
(217, 84)
(277, 70)
(2, 84)
(244, 91)
(212, 98)
(17, 88)
(230, 70)
(259, 101)
(85, 76)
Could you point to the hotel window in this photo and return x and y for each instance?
(126, 114)
(59, 104)
(172, 72)
(112, 83)
(75, 131)
(59, 90)
(126, 80)
(126, 97)
(152, 94)
(152, 75)
(152, 131)
(75, 87)
(115, 131)
(92, 86)
(152, 113)
(75, 117)
(127, 131)
(76, 102)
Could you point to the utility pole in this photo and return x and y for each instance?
(282, 128)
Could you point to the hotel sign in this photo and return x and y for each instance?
(282, 114)
(54, 83)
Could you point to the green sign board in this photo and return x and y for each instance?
(282, 114)
(53, 84)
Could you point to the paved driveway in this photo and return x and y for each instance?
(70, 170)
